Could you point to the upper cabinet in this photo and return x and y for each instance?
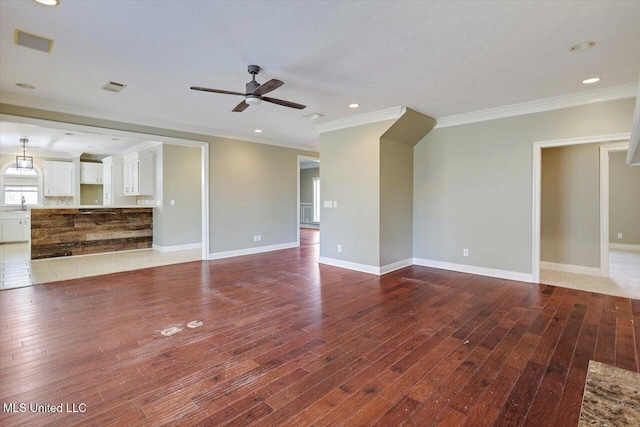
(90, 173)
(137, 174)
(58, 178)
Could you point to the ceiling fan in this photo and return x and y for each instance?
(255, 91)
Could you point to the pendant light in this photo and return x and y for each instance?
(24, 161)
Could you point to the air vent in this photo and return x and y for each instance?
(32, 41)
(113, 87)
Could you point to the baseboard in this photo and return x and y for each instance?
(396, 266)
(624, 247)
(570, 268)
(472, 269)
(366, 268)
(175, 248)
(251, 251)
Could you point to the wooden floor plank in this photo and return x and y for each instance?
(287, 342)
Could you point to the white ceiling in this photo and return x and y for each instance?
(60, 142)
(439, 58)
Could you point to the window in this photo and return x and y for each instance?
(18, 183)
(13, 194)
(14, 171)
(316, 199)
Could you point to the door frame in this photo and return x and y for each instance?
(204, 157)
(537, 187)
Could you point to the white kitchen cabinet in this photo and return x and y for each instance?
(137, 174)
(112, 182)
(91, 173)
(58, 178)
(15, 227)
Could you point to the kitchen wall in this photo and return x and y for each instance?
(37, 161)
(90, 194)
(473, 183)
(624, 200)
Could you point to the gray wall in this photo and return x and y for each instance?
(253, 187)
(396, 202)
(624, 200)
(181, 181)
(351, 176)
(570, 205)
(473, 183)
(253, 191)
(306, 184)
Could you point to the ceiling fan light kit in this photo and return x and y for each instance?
(254, 92)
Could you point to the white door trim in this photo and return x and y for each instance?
(300, 157)
(604, 203)
(537, 184)
(204, 156)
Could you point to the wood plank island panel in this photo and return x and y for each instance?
(81, 231)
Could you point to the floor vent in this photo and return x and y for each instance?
(32, 41)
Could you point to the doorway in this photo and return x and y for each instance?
(309, 199)
(581, 261)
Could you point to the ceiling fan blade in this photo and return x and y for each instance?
(284, 103)
(267, 87)
(226, 92)
(240, 107)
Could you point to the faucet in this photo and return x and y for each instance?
(22, 205)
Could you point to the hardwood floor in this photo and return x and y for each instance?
(288, 342)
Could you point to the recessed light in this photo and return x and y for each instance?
(258, 130)
(582, 46)
(49, 2)
(68, 133)
(591, 80)
(354, 105)
(25, 86)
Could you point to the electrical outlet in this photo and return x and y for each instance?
(335, 204)
(619, 235)
(255, 238)
(173, 203)
(158, 202)
(465, 252)
(339, 248)
(259, 238)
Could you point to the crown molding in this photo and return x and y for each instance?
(362, 119)
(95, 113)
(537, 106)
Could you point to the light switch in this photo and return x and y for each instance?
(173, 203)
(327, 204)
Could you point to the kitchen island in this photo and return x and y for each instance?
(80, 230)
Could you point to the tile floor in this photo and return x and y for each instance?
(623, 280)
(18, 271)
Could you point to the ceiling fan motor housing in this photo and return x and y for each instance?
(251, 86)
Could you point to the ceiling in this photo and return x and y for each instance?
(439, 58)
(60, 142)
